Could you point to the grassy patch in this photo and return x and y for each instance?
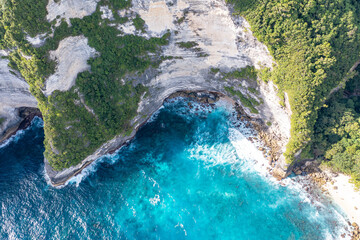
(2, 120)
(180, 20)
(214, 70)
(246, 101)
(248, 72)
(187, 45)
(253, 90)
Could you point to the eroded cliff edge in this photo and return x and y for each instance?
(222, 44)
(16, 101)
(208, 49)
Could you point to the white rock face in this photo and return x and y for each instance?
(67, 9)
(106, 13)
(71, 55)
(227, 41)
(158, 17)
(38, 40)
(14, 93)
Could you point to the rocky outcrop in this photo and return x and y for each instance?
(71, 57)
(14, 94)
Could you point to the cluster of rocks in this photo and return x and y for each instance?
(355, 234)
(313, 171)
(201, 96)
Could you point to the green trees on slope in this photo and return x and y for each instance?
(337, 131)
(314, 43)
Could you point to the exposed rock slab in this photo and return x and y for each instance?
(71, 55)
(67, 9)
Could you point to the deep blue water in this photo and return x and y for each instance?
(186, 175)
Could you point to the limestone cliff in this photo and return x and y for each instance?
(205, 43)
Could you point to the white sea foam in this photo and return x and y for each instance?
(13, 138)
(92, 168)
(19, 134)
(155, 200)
(155, 115)
(180, 225)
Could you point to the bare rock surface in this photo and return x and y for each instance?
(71, 55)
(67, 9)
(38, 40)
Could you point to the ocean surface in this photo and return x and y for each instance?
(188, 174)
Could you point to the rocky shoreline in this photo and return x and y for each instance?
(316, 180)
(272, 151)
(27, 114)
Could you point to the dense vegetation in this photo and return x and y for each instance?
(337, 131)
(314, 43)
(103, 101)
(248, 73)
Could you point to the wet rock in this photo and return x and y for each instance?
(211, 101)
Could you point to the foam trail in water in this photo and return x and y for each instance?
(92, 168)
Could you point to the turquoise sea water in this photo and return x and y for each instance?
(186, 175)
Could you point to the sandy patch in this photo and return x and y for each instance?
(38, 40)
(71, 55)
(343, 193)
